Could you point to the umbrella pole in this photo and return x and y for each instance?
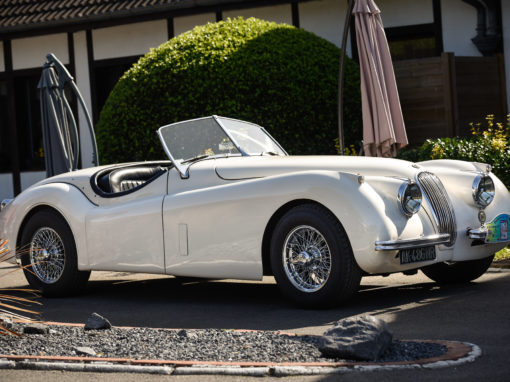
(67, 78)
(347, 23)
(95, 157)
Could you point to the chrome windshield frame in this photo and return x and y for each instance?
(183, 169)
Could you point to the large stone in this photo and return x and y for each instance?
(97, 322)
(357, 338)
(36, 329)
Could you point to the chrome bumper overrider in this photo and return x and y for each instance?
(393, 245)
(494, 232)
(478, 233)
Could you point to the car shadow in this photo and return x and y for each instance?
(187, 303)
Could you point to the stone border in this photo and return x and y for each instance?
(457, 353)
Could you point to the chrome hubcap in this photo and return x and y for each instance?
(306, 259)
(47, 255)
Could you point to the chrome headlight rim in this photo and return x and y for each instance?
(481, 196)
(408, 196)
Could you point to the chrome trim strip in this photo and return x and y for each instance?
(437, 198)
(394, 245)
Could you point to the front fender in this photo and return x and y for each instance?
(65, 198)
(369, 212)
(366, 207)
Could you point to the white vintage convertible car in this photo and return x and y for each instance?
(230, 203)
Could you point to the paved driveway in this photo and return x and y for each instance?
(414, 308)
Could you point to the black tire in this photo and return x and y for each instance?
(288, 267)
(48, 244)
(457, 273)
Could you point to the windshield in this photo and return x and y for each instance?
(185, 142)
(251, 138)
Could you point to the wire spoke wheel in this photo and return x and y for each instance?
(47, 255)
(306, 259)
(311, 258)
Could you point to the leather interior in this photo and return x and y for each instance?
(125, 179)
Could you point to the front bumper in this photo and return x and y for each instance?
(495, 232)
(424, 241)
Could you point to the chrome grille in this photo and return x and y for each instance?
(438, 200)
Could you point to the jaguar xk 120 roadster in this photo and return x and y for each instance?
(230, 203)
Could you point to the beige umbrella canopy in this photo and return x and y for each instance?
(383, 125)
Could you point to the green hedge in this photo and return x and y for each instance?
(276, 75)
(488, 144)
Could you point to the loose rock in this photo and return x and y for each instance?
(36, 329)
(97, 322)
(357, 338)
(85, 350)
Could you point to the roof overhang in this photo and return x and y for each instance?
(125, 16)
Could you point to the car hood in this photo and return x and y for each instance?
(259, 167)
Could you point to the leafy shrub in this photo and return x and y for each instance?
(487, 145)
(276, 75)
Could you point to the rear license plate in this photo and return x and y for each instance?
(497, 230)
(416, 255)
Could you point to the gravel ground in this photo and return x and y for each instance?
(196, 345)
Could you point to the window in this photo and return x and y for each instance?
(28, 122)
(107, 74)
(5, 159)
(413, 48)
(410, 42)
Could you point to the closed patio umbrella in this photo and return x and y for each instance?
(60, 133)
(383, 125)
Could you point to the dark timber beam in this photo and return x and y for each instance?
(11, 119)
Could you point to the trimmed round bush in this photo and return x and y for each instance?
(275, 75)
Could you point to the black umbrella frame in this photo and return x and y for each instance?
(60, 131)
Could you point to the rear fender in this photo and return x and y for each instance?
(64, 198)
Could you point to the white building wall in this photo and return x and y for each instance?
(2, 63)
(186, 23)
(31, 52)
(128, 40)
(6, 186)
(278, 13)
(27, 179)
(326, 19)
(459, 22)
(32, 177)
(505, 7)
(396, 13)
(82, 80)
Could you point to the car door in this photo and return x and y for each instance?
(125, 233)
(206, 230)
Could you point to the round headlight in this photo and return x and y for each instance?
(410, 198)
(483, 190)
